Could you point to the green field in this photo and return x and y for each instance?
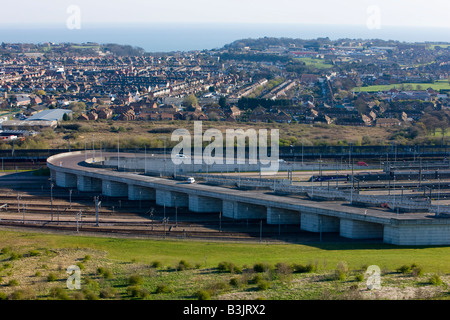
(33, 266)
(438, 85)
(433, 46)
(170, 251)
(316, 63)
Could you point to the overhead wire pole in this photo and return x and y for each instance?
(118, 151)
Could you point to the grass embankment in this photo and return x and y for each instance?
(142, 134)
(34, 265)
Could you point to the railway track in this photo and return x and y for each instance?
(174, 232)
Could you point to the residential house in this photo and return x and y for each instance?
(387, 122)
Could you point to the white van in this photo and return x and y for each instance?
(190, 180)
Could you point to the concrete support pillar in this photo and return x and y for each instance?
(240, 210)
(282, 216)
(89, 184)
(355, 229)
(171, 198)
(52, 175)
(65, 180)
(114, 189)
(204, 204)
(319, 223)
(140, 193)
(417, 235)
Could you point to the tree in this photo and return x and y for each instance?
(77, 107)
(223, 102)
(361, 106)
(190, 101)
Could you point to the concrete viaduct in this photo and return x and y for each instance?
(69, 170)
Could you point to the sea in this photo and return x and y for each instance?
(188, 37)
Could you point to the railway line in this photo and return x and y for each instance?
(122, 217)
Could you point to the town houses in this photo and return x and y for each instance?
(345, 82)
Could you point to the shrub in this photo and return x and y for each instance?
(203, 295)
(156, 264)
(299, 268)
(135, 280)
(263, 285)
(86, 258)
(59, 293)
(235, 282)
(137, 292)
(435, 280)
(51, 277)
(33, 253)
(262, 267)
(80, 265)
(17, 295)
(283, 268)
(228, 267)
(108, 293)
(162, 288)
(107, 274)
(417, 272)
(3, 296)
(359, 277)
(6, 250)
(89, 295)
(13, 283)
(341, 271)
(15, 256)
(404, 269)
(256, 279)
(101, 270)
(217, 287)
(78, 295)
(183, 265)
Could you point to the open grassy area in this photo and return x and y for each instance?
(33, 266)
(438, 85)
(317, 63)
(156, 134)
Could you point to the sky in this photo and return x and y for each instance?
(405, 13)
